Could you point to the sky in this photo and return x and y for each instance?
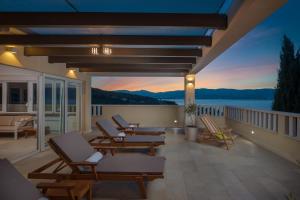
(252, 62)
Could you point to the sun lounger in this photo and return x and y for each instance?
(115, 138)
(87, 163)
(221, 135)
(133, 128)
(13, 186)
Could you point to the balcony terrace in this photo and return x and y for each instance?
(49, 53)
(202, 171)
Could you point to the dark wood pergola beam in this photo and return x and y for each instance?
(121, 60)
(103, 39)
(86, 51)
(218, 21)
(134, 70)
(129, 66)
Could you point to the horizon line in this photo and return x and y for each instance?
(183, 89)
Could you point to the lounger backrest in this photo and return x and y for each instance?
(14, 186)
(107, 128)
(71, 147)
(120, 121)
(211, 128)
(213, 123)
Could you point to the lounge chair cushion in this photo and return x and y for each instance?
(131, 163)
(220, 135)
(144, 138)
(6, 120)
(14, 186)
(146, 130)
(121, 121)
(74, 146)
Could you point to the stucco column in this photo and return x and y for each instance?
(87, 120)
(189, 88)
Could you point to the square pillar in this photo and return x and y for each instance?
(86, 103)
(189, 88)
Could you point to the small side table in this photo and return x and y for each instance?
(29, 131)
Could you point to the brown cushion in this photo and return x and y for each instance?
(131, 163)
(120, 121)
(145, 130)
(7, 128)
(6, 120)
(108, 128)
(144, 138)
(13, 186)
(74, 146)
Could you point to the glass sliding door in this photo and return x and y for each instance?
(54, 107)
(73, 109)
(17, 97)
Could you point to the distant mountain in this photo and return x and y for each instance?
(107, 97)
(255, 94)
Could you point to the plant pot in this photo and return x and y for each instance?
(191, 133)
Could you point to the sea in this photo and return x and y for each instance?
(254, 104)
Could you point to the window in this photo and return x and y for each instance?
(34, 97)
(17, 97)
(48, 97)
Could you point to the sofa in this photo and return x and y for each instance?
(15, 124)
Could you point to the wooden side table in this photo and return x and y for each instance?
(29, 131)
(67, 190)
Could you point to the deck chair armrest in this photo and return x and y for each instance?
(57, 185)
(101, 138)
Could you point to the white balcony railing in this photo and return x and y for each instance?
(96, 110)
(272, 121)
(211, 110)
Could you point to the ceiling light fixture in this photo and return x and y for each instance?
(107, 51)
(11, 49)
(94, 51)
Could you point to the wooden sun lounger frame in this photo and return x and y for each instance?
(107, 142)
(62, 163)
(226, 132)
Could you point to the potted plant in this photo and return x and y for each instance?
(191, 129)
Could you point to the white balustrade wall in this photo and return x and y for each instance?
(211, 110)
(96, 110)
(289, 123)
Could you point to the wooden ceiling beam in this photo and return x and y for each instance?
(121, 60)
(129, 66)
(86, 51)
(50, 19)
(103, 39)
(134, 70)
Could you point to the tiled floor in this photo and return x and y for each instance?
(13, 149)
(198, 171)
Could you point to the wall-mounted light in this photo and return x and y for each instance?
(94, 51)
(107, 51)
(11, 49)
(252, 132)
(190, 80)
(190, 84)
(71, 73)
